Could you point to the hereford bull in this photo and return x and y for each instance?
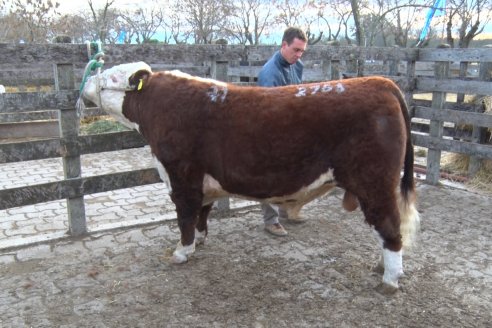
(285, 145)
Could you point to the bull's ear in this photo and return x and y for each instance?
(137, 80)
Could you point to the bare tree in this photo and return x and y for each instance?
(249, 20)
(301, 13)
(144, 21)
(34, 19)
(399, 18)
(179, 29)
(207, 18)
(469, 17)
(74, 26)
(359, 29)
(102, 20)
(333, 17)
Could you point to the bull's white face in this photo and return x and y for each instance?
(110, 92)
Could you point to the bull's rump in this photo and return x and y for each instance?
(264, 142)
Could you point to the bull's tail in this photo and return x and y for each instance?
(409, 216)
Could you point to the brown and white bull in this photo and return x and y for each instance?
(285, 146)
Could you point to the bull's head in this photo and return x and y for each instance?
(107, 90)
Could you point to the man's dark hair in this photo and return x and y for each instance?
(293, 32)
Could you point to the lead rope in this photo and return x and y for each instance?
(95, 63)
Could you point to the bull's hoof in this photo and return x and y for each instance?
(179, 259)
(385, 289)
(200, 237)
(200, 241)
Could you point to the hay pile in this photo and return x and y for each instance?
(459, 163)
(100, 124)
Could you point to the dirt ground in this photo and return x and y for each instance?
(320, 275)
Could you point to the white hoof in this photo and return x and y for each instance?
(200, 237)
(393, 267)
(180, 255)
(179, 258)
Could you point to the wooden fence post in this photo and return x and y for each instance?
(69, 130)
(410, 84)
(478, 133)
(441, 71)
(394, 62)
(335, 70)
(219, 72)
(331, 68)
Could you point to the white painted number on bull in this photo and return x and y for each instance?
(217, 93)
(324, 88)
(301, 91)
(315, 88)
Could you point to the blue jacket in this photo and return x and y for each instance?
(277, 72)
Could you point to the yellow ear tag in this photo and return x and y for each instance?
(140, 85)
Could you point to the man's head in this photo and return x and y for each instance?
(294, 43)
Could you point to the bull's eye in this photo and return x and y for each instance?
(114, 79)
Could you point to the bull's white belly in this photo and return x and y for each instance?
(212, 191)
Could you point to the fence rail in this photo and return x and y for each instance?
(416, 71)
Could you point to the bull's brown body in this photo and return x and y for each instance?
(271, 143)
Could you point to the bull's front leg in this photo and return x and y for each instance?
(188, 205)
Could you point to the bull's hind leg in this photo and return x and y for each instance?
(383, 214)
(202, 226)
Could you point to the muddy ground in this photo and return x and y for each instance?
(320, 275)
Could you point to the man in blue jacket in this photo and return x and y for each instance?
(284, 68)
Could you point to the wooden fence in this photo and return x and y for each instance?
(49, 76)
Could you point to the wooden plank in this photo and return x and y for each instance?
(427, 84)
(448, 131)
(29, 116)
(41, 149)
(34, 129)
(99, 143)
(454, 116)
(454, 146)
(456, 54)
(73, 188)
(37, 101)
(448, 105)
(30, 150)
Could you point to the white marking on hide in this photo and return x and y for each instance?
(113, 82)
(315, 89)
(301, 92)
(392, 263)
(112, 102)
(180, 255)
(393, 267)
(212, 190)
(162, 171)
(200, 237)
(217, 92)
(339, 88)
(326, 88)
(178, 73)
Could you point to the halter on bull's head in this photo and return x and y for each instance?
(107, 89)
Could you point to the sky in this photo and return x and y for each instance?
(71, 6)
